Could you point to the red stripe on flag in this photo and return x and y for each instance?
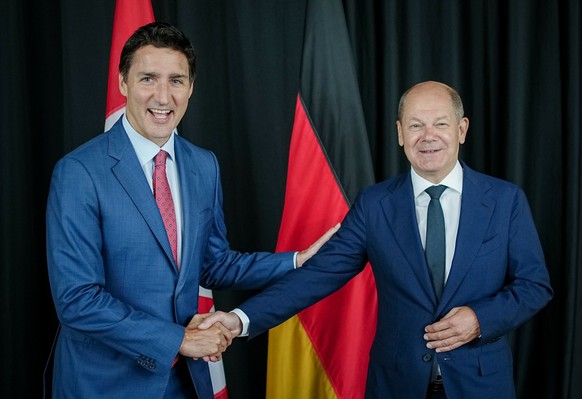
(221, 394)
(129, 15)
(205, 304)
(313, 200)
(313, 203)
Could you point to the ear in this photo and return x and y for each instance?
(400, 133)
(122, 85)
(463, 127)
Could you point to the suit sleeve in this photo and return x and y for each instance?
(337, 262)
(527, 288)
(77, 275)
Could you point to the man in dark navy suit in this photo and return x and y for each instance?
(431, 341)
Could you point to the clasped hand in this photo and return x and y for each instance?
(210, 340)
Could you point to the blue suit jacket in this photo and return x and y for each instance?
(119, 298)
(498, 270)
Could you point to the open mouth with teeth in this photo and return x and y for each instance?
(160, 114)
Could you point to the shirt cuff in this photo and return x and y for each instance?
(245, 321)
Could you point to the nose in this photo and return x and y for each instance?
(429, 133)
(162, 93)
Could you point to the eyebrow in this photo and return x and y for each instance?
(157, 75)
(178, 75)
(440, 118)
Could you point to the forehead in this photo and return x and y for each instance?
(428, 101)
(151, 59)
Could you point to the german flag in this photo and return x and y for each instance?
(313, 354)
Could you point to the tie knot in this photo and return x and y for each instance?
(160, 158)
(435, 192)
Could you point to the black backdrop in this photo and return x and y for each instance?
(516, 64)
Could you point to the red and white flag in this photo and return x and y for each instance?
(129, 16)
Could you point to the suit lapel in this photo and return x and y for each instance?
(400, 211)
(189, 174)
(129, 173)
(476, 212)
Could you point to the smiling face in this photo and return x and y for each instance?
(157, 89)
(430, 132)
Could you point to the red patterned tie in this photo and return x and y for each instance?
(164, 200)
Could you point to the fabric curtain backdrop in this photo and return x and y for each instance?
(516, 64)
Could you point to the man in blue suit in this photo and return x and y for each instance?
(428, 344)
(124, 284)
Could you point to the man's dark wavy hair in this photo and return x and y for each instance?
(160, 35)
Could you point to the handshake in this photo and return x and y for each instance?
(208, 335)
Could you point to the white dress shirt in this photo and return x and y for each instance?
(146, 151)
(450, 202)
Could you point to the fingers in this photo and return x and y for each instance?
(306, 254)
(197, 319)
(213, 359)
(446, 344)
(457, 328)
(323, 239)
(225, 340)
(227, 334)
(215, 338)
(210, 343)
(328, 234)
(208, 335)
(228, 320)
(209, 321)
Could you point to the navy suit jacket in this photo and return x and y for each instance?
(498, 270)
(120, 300)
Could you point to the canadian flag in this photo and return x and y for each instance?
(129, 16)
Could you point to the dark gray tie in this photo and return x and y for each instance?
(435, 239)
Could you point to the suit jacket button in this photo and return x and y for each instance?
(427, 357)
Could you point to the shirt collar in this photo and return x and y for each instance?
(453, 180)
(145, 149)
